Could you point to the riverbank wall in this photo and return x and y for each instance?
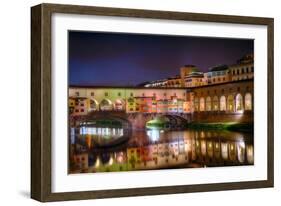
(222, 117)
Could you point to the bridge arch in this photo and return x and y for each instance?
(215, 103)
(238, 103)
(202, 104)
(94, 105)
(222, 103)
(230, 103)
(106, 105)
(248, 101)
(208, 104)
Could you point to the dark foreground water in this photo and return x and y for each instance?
(115, 149)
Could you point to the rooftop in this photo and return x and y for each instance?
(195, 74)
(249, 58)
(218, 68)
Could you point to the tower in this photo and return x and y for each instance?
(185, 71)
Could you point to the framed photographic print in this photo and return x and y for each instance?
(132, 102)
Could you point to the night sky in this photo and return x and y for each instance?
(114, 59)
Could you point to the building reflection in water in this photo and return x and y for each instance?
(157, 149)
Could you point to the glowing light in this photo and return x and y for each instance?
(240, 112)
(224, 151)
(241, 153)
(72, 135)
(250, 154)
(248, 101)
(88, 141)
(203, 147)
(110, 161)
(153, 134)
(97, 164)
(120, 157)
(217, 145)
(242, 144)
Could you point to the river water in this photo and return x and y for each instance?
(115, 149)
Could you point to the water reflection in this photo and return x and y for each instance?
(156, 149)
(103, 132)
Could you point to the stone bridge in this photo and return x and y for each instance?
(132, 120)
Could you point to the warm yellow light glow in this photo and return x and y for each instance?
(110, 161)
(97, 164)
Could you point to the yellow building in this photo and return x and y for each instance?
(174, 81)
(131, 105)
(185, 71)
(244, 69)
(195, 79)
(71, 104)
(218, 74)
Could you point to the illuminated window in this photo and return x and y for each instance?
(215, 103)
(202, 104)
(248, 101)
(239, 102)
(222, 103)
(208, 104)
(230, 103)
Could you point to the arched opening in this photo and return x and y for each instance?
(208, 104)
(239, 103)
(248, 101)
(202, 104)
(119, 105)
(222, 103)
(106, 105)
(215, 103)
(94, 106)
(230, 103)
(196, 104)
